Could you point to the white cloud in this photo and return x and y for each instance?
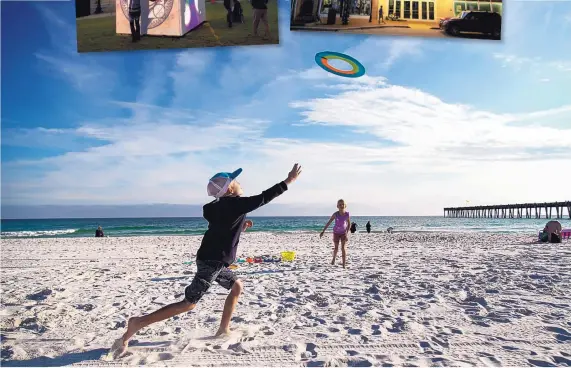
(81, 71)
(402, 48)
(445, 153)
(518, 62)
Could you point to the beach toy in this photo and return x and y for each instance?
(288, 256)
(188, 263)
(250, 260)
(241, 260)
(233, 266)
(565, 234)
(258, 260)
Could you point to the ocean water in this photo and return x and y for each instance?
(196, 226)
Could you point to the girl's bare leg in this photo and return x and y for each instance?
(229, 306)
(137, 323)
(344, 252)
(335, 250)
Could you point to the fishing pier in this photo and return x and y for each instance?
(522, 210)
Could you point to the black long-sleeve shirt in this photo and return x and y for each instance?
(226, 217)
(260, 4)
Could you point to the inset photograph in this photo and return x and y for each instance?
(415, 18)
(121, 25)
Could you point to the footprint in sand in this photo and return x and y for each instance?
(157, 357)
(85, 307)
(490, 361)
(309, 351)
(561, 334)
(540, 363)
(42, 295)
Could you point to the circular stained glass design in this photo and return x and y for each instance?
(159, 11)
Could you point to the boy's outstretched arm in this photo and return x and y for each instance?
(249, 204)
(327, 225)
(348, 224)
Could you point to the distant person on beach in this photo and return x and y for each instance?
(226, 217)
(99, 232)
(135, 19)
(229, 9)
(353, 228)
(261, 15)
(340, 230)
(390, 230)
(368, 226)
(551, 232)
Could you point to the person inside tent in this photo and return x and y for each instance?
(551, 232)
(99, 232)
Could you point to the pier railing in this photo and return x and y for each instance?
(521, 210)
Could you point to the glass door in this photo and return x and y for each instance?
(485, 7)
(391, 7)
(424, 10)
(459, 7)
(397, 8)
(406, 10)
(431, 10)
(415, 10)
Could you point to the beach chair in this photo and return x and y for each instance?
(566, 234)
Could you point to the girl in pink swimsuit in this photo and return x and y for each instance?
(340, 230)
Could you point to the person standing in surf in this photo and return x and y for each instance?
(340, 230)
(226, 217)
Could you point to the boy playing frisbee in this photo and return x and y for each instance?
(226, 217)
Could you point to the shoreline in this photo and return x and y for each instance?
(329, 232)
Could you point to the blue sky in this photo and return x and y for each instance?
(433, 123)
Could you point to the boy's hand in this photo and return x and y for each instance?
(248, 224)
(293, 174)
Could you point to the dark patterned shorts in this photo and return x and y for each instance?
(207, 272)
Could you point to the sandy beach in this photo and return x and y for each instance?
(405, 299)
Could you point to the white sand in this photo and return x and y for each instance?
(406, 299)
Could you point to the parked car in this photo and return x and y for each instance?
(488, 23)
(443, 21)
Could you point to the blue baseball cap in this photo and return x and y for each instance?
(219, 183)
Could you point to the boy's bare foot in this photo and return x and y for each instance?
(333, 262)
(119, 348)
(222, 332)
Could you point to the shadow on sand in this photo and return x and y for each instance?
(66, 359)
